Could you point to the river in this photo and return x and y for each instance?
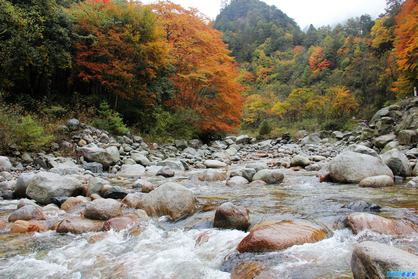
(192, 248)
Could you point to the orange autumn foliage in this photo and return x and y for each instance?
(205, 76)
(317, 61)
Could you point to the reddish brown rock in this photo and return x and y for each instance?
(73, 201)
(3, 225)
(229, 216)
(120, 223)
(131, 200)
(247, 270)
(78, 226)
(281, 235)
(362, 221)
(21, 226)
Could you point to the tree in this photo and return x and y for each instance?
(205, 76)
(406, 46)
(119, 51)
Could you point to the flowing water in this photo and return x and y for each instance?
(192, 248)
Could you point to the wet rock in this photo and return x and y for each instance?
(115, 192)
(3, 225)
(5, 164)
(24, 227)
(22, 184)
(170, 199)
(131, 170)
(78, 226)
(214, 164)
(257, 183)
(211, 175)
(257, 166)
(377, 181)
(23, 202)
(131, 200)
(364, 221)
(230, 216)
(397, 162)
(237, 181)
(27, 212)
(413, 183)
(324, 174)
(166, 172)
(58, 200)
(300, 160)
(375, 260)
(269, 176)
(73, 201)
(94, 167)
(95, 186)
(362, 206)
(281, 235)
(352, 167)
(103, 209)
(248, 173)
(247, 270)
(45, 186)
(120, 223)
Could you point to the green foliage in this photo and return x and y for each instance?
(110, 120)
(265, 128)
(29, 134)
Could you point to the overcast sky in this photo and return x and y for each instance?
(304, 12)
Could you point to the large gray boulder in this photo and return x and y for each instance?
(172, 164)
(269, 176)
(131, 170)
(300, 160)
(381, 141)
(397, 162)
(95, 186)
(22, 184)
(243, 139)
(358, 148)
(140, 158)
(5, 164)
(170, 199)
(375, 260)
(106, 157)
(46, 185)
(352, 167)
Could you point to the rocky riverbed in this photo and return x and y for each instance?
(236, 207)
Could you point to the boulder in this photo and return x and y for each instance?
(324, 174)
(170, 199)
(243, 139)
(73, 124)
(375, 260)
(214, 164)
(230, 216)
(362, 206)
(269, 176)
(391, 145)
(300, 160)
(181, 144)
(365, 221)
(131, 200)
(106, 157)
(140, 158)
(95, 186)
(115, 192)
(237, 181)
(94, 167)
(21, 226)
(352, 167)
(248, 173)
(27, 212)
(145, 185)
(381, 141)
(281, 235)
(78, 225)
(211, 175)
(172, 164)
(3, 225)
(131, 170)
(377, 181)
(397, 162)
(166, 172)
(103, 209)
(407, 137)
(5, 164)
(358, 148)
(22, 184)
(46, 185)
(73, 201)
(120, 223)
(257, 166)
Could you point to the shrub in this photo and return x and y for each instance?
(265, 128)
(110, 120)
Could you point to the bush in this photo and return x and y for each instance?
(110, 120)
(265, 128)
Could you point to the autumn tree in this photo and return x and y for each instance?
(119, 50)
(205, 76)
(406, 46)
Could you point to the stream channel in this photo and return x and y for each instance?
(166, 249)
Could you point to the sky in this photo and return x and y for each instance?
(304, 12)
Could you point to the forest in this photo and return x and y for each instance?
(164, 72)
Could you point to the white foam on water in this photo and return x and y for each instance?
(155, 253)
